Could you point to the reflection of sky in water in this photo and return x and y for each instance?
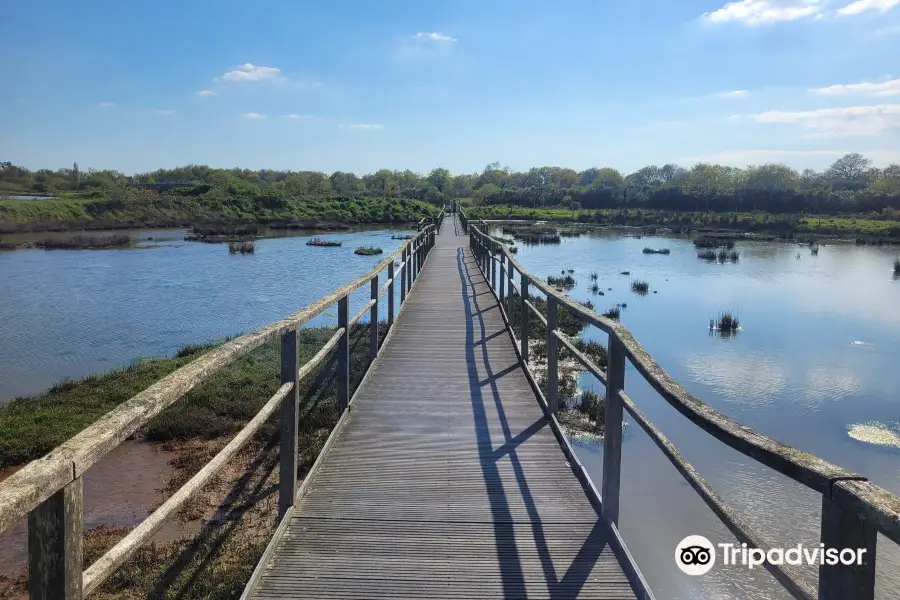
(793, 373)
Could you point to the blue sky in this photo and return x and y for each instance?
(358, 85)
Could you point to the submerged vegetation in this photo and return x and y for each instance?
(323, 243)
(368, 251)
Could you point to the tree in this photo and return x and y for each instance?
(440, 179)
(849, 172)
(76, 177)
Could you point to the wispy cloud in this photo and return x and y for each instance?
(254, 116)
(368, 126)
(846, 121)
(165, 111)
(205, 93)
(861, 6)
(889, 87)
(298, 117)
(734, 95)
(435, 37)
(106, 104)
(763, 12)
(249, 72)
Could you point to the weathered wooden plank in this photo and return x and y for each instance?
(844, 530)
(612, 432)
(55, 547)
(290, 407)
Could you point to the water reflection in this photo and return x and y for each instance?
(813, 366)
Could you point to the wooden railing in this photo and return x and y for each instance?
(854, 510)
(50, 490)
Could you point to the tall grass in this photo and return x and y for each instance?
(614, 313)
(640, 286)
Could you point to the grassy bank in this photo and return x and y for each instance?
(777, 225)
(145, 208)
(32, 426)
(238, 509)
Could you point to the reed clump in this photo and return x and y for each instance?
(614, 313)
(565, 281)
(640, 286)
(726, 323)
(368, 251)
(897, 266)
(88, 242)
(649, 250)
(244, 247)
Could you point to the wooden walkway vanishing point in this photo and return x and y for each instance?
(447, 475)
(446, 480)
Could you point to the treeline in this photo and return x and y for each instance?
(850, 185)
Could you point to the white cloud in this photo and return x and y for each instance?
(251, 72)
(763, 12)
(891, 87)
(733, 95)
(369, 126)
(206, 93)
(296, 117)
(435, 37)
(860, 6)
(252, 115)
(165, 111)
(106, 104)
(846, 121)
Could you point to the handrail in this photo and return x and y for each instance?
(853, 507)
(50, 489)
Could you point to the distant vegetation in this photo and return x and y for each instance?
(660, 251)
(323, 243)
(75, 242)
(368, 251)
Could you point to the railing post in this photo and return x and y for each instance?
(409, 265)
(390, 290)
(373, 320)
(343, 363)
(403, 275)
(552, 356)
(503, 282)
(55, 545)
(524, 312)
(843, 529)
(612, 432)
(493, 268)
(290, 369)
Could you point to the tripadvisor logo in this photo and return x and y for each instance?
(696, 555)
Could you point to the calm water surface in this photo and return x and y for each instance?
(818, 353)
(69, 313)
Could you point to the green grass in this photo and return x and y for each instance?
(32, 426)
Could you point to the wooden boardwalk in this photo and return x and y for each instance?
(446, 480)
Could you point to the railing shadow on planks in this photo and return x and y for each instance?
(854, 510)
(50, 490)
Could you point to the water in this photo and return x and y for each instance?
(69, 313)
(814, 366)
(31, 197)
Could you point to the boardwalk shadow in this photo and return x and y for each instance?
(484, 392)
